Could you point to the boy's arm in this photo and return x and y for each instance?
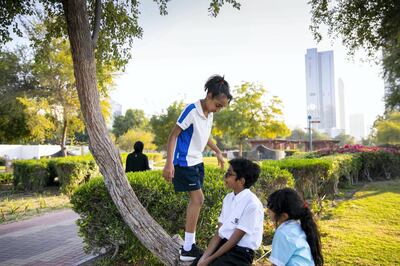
(233, 240)
(212, 246)
(217, 151)
(168, 172)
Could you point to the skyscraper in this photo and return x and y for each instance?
(320, 88)
(341, 105)
(357, 128)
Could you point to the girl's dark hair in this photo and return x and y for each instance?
(289, 201)
(138, 146)
(217, 85)
(246, 169)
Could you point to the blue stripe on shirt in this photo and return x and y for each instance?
(186, 112)
(182, 146)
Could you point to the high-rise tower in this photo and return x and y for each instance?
(320, 88)
(341, 105)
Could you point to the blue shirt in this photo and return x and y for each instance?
(196, 130)
(290, 246)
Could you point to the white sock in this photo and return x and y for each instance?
(190, 239)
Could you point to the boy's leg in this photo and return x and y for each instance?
(192, 215)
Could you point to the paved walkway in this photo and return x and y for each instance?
(50, 239)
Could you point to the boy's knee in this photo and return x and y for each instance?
(197, 199)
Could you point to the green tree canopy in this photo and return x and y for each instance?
(345, 139)
(371, 25)
(127, 141)
(387, 129)
(248, 116)
(15, 79)
(161, 125)
(297, 134)
(133, 119)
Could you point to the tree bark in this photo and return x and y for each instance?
(146, 229)
(64, 136)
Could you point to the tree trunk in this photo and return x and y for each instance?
(147, 230)
(240, 147)
(64, 137)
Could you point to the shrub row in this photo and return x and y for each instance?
(321, 175)
(34, 175)
(102, 226)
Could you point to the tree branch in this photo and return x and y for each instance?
(96, 24)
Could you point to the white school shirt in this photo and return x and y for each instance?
(290, 246)
(243, 211)
(196, 130)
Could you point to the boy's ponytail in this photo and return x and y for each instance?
(288, 201)
(313, 238)
(217, 85)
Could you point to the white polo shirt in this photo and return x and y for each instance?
(243, 211)
(196, 130)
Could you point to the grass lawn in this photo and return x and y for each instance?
(17, 206)
(366, 229)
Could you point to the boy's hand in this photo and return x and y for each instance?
(220, 159)
(203, 262)
(168, 172)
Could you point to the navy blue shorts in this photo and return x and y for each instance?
(188, 178)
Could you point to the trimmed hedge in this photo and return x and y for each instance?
(72, 173)
(6, 178)
(101, 225)
(31, 175)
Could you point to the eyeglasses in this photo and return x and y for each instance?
(228, 173)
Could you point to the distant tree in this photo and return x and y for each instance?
(387, 129)
(13, 122)
(126, 141)
(373, 26)
(133, 119)
(297, 134)
(248, 116)
(317, 135)
(345, 139)
(15, 80)
(55, 74)
(162, 124)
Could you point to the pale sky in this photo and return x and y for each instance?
(264, 42)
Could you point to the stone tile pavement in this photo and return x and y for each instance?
(47, 240)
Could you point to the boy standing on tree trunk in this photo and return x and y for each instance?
(186, 143)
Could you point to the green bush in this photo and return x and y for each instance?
(272, 178)
(31, 175)
(380, 165)
(102, 227)
(73, 172)
(2, 161)
(6, 178)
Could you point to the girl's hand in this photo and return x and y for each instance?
(220, 159)
(168, 172)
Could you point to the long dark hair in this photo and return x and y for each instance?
(289, 201)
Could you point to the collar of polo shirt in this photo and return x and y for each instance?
(241, 195)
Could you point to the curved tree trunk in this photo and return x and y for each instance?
(148, 231)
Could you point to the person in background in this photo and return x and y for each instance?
(137, 161)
